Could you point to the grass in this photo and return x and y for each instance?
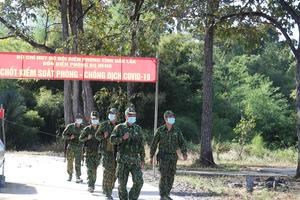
(218, 188)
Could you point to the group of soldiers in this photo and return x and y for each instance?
(121, 149)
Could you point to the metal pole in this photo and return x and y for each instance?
(3, 130)
(156, 106)
(4, 142)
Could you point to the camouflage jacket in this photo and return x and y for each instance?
(72, 129)
(106, 145)
(131, 150)
(168, 141)
(92, 144)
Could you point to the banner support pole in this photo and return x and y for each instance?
(156, 107)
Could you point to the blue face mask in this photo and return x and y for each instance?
(131, 120)
(171, 120)
(78, 121)
(95, 121)
(111, 117)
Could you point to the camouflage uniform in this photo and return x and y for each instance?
(130, 154)
(108, 157)
(168, 142)
(92, 155)
(73, 149)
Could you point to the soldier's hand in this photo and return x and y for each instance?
(72, 137)
(142, 165)
(125, 136)
(90, 136)
(184, 157)
(105, 134)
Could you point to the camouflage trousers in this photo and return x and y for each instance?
(123, 170)
(92, 161)
(109, 173)
(74, 153)
(167, 169)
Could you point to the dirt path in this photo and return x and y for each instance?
(38, 177)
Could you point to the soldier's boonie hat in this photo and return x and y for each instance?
(94, 114)
(78, 116)
(130, 111)
(169, 113)
(113, 111)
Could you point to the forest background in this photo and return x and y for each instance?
(252, 95)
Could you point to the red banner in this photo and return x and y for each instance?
(2, 113)
(76, 67)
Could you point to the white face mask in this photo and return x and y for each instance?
(78, 121)
(171, 120)
(131, 120)
(95, 121)
(111, 117)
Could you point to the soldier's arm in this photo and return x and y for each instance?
(142, 148)
(84, 135)
(154, 143)
(99, 133)
(182, 144)
(116, 136)
(66, 133)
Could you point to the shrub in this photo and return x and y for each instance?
(189, 128)
(257, 146)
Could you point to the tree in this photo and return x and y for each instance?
(284, 15)
(206, 156)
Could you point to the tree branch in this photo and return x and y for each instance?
(26, 38)
(290, 11)
(6, 37)
(85, 12)
(46, 28)
(267, 17)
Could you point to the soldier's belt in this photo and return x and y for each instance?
(129, 158)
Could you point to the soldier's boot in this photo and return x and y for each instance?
(91, 189)
(109, 198)
(165, 198)
(78, 180)
(70, 177)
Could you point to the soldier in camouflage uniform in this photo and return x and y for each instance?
(71, 134)
(131, 154)
(108, 152)
(91, 144)
(168, 138)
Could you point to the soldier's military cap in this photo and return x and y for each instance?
(78, 116)
(94, 114)
(113, 111)
(168, 113)
(130, 111)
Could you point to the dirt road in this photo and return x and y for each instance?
(39, 177)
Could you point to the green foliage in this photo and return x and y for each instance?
(189, 128)
(254, 95)
(18, 121)
(106, 99)
(257, 146)
(50, 108)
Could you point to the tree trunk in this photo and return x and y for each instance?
(206, 155)
(298, 110)
(133, 53)
(77, 107)
(134, 18)
(68, 115)
(87, 96)
(75, 12)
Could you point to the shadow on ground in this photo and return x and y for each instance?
(17, 188)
